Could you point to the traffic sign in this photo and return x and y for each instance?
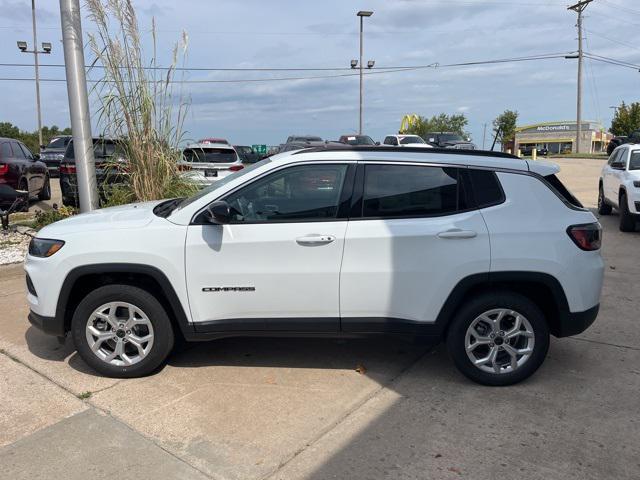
(261, 149)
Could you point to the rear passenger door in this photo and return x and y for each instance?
(414, 233)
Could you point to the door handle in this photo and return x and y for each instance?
(315, 239)
(457, 233)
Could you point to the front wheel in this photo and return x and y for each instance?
(122, 331)
(498, 339)
(627, 222)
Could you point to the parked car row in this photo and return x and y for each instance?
(619, 186)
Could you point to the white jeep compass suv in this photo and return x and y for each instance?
(620, 186)
(485, 251)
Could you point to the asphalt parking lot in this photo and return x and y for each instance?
(326, 408)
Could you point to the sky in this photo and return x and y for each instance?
(306, 34)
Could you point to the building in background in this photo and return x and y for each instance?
(560, 137)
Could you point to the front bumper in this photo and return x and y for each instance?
(49, 325)
(577, 322)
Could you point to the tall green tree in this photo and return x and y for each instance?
(626, 119)
(439, 123)
(504, 126)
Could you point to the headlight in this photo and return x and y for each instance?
(44, 247)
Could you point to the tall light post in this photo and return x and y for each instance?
(46, 49)
(362, 14)
(579, 8)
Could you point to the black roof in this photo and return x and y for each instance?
(380, 148)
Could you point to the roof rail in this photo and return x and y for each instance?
(380, 148)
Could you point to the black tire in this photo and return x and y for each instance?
(603, 207)
(24, 186)
(627, 221)
(457, 333)
(162, 330)
(45, 193)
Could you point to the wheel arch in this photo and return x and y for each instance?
(82, 280)
(542, 288)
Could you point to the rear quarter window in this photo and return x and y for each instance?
(486, 188)
(565, 195)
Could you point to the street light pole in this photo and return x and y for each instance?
(361, 14)
(35, 56)
(79, 104)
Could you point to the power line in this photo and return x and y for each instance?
(624, 44)
(612, 61)
(542, 56)
(620, 7)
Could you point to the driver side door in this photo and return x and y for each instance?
(276, 264)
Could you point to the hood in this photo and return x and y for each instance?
(134, 215)
(419, 145)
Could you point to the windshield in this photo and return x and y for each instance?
(411, 139)
(634, 161)
(101, 149)
(304, 139)
(451, 137)
(359, 140)
(209, 155)
(223, 181)
(58, 142)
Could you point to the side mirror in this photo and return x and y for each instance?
(377, 143)
(218, 212)
(36, 156)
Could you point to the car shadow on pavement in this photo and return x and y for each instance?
(48, 348)
(373, 356)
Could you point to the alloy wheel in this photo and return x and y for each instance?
(499, 341)
(119, 333)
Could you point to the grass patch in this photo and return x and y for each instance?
(84, 395)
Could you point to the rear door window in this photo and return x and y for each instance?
(17, 151)
(401, 191)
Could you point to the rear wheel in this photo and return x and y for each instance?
(24, 186)
(627, 221)
(45, 193)
(498, 339)
(122, 331)
(603, 207)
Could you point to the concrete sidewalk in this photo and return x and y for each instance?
(303, 408)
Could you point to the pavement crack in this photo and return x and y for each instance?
(627, 347)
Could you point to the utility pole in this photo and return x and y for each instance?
(579, 8)
(484, 135)
(79, 104)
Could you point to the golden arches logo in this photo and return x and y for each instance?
(408, 121)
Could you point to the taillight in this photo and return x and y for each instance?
(587, 236)
(4, 169)
(235, 168)
(68, 169)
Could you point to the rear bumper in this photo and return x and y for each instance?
(49, 325)
(577, 322)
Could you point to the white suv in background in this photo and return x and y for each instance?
(406, 141)
(620, 186)
(483, 250)
(205, 163)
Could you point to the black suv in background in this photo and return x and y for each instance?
(357, 140)
(110, 169)
(448, 140)
(53, 153)
(21, 170)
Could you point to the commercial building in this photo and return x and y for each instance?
(560, 137)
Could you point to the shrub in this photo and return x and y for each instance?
(45, 218)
